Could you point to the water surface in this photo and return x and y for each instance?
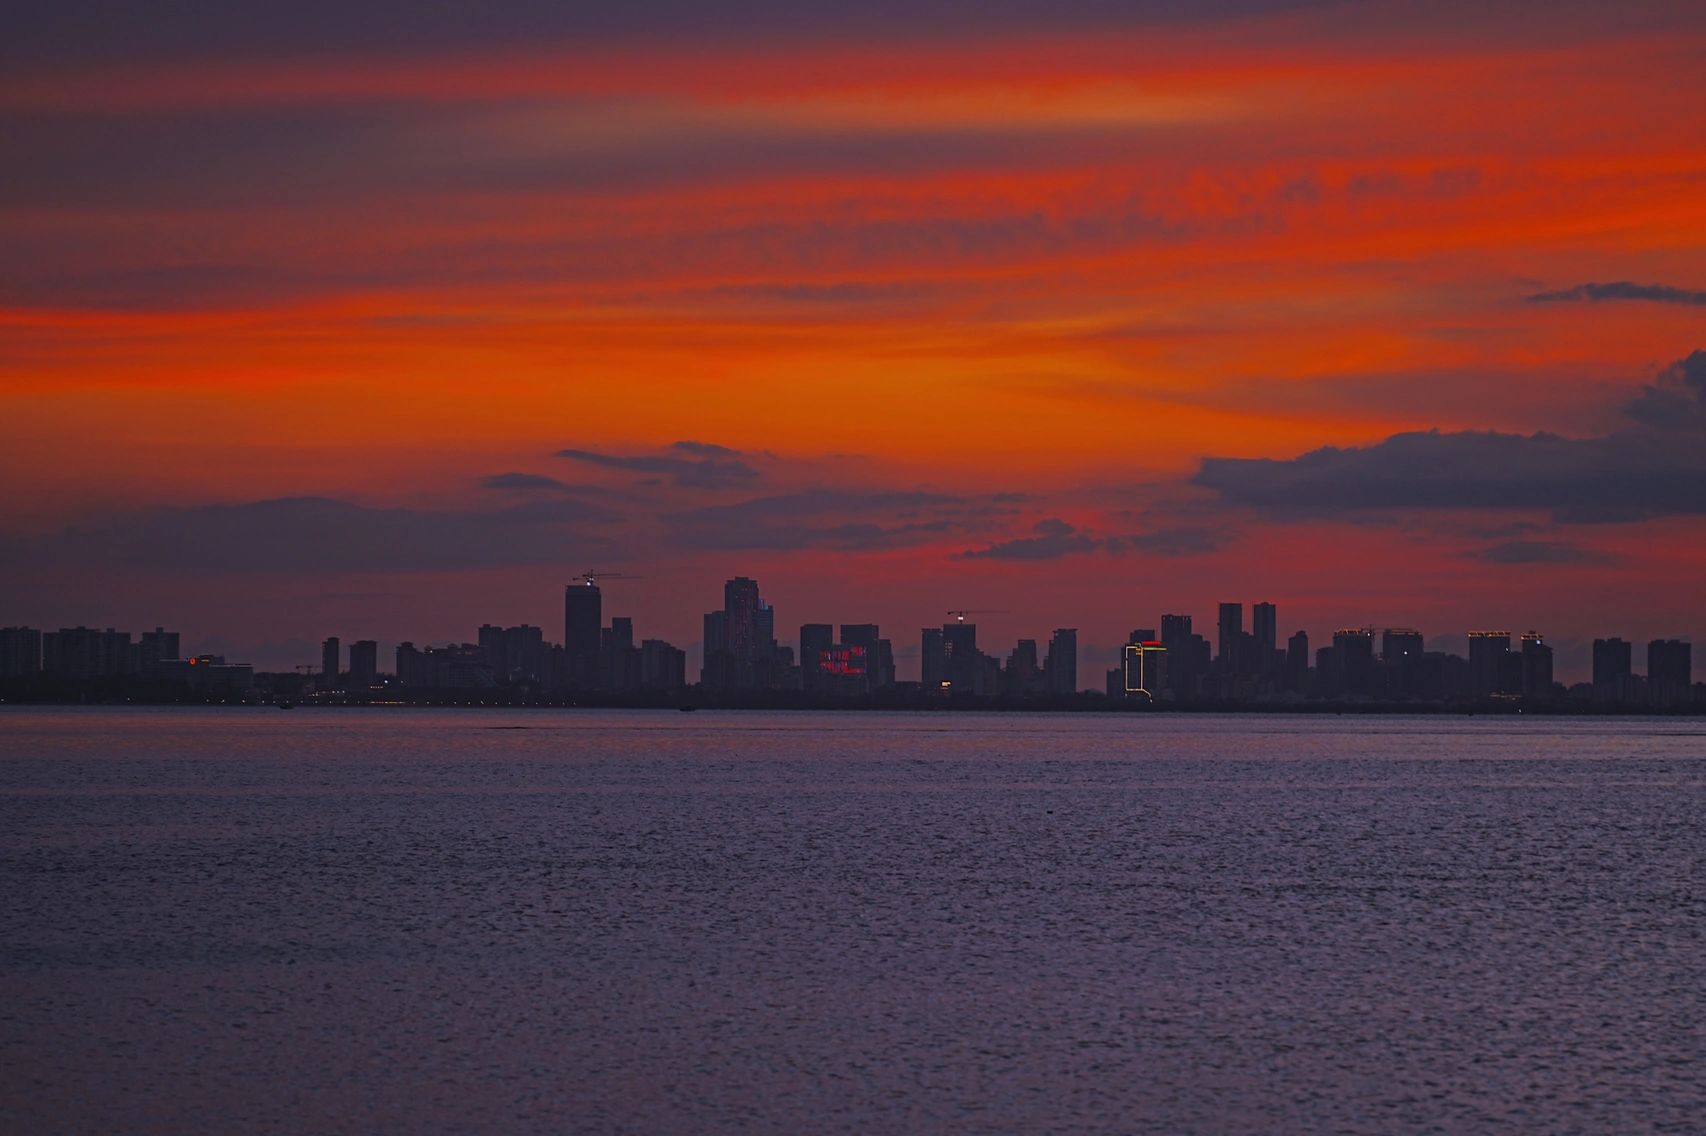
(590, 921)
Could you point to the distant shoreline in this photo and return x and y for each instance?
(1082, 704)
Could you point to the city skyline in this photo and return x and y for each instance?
(743, 650)
(382, 320)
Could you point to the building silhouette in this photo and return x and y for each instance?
(740, 641)
(363, 664)
(330, 667)
(1487, 653)
(815, 639)
(1669, 671)
(20, 652)
(583, 635)
(1613, 670)
(1060, 667)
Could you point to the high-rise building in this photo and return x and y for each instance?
(1536, 680)
(84, 652)
(815, 639)
(1231, 628)
(1670, 667)
(583, 633)
(1487, 652)
(1613, 669)
(330, 664)
(1297, 663)
(865, 639)
(156, 647)
(1143, 666)
(662, 667)
(1353, 656)
(962, 662)
(1398, 644)
(363, 664)
(1022, 675)
(932, 659)
(1060, 667)
(740, 647)
(20, 652)
(619, 659)
(1264, 629)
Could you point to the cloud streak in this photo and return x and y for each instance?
(1655, 465)
(689, 464)
(1621, 290)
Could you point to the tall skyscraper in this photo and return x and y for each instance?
(583, 627)
(865, 637)
(329, 661)
(932, 659)
(1398, 644)
(1264, 628)
(1297, 663)
(1143, 666)
(962, 662)
(815, 639)
(1022, 675)
(1670, 668)
(1060, 668)
(740, 646)
(1536, 681)
(1353, 650)
(1613, 669)
(1231, 628)
(1487, 651)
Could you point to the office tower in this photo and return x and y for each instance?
(583, 628)
(1613, 669)
(329, 662)
(20, 652)
(1487, 652)
(932, 658)
(815, 639)
(1264, 629)
(1060, 668)
(1535, 673)
(1231, 628)
(1670, 668)
(1353, 650)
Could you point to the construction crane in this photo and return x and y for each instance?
(960, 613)
(592, 575)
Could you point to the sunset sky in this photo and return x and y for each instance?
(385, 323)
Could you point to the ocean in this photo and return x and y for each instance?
(440, 921)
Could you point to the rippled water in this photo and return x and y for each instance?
(423, 921)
